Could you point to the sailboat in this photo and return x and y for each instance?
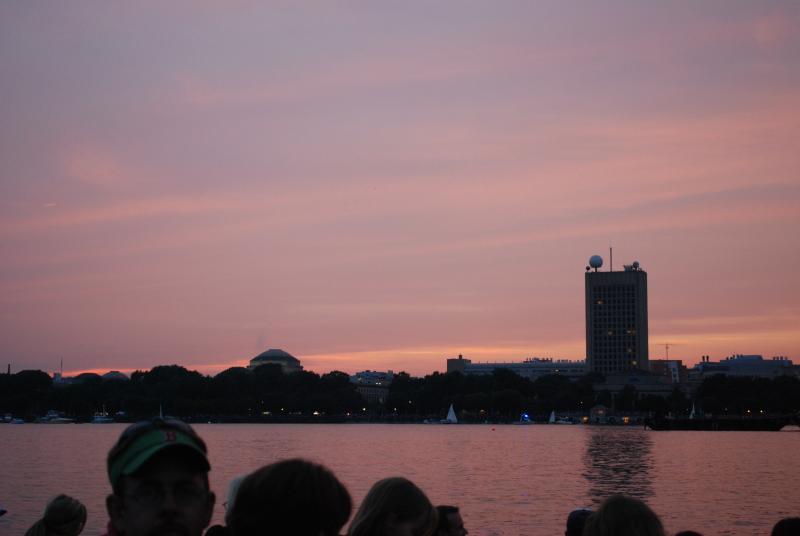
(451, 417)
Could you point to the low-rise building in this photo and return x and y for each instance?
(373, 385)
(753, 366)
(674, 369)
(458, 364)
(645, 383)
(532, 368)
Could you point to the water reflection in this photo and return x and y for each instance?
(618, 460)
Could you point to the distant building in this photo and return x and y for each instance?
(115, 375)
(616, 319)
(644, 382)
(674, 369)
(457, 364)
(274, 356)
(60, 381)
(373, 385)
(754, 366)
(532, 368)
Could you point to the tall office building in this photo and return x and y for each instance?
(616, 319)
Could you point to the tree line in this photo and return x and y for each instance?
(267, 394)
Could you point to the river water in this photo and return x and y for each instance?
(507, 480)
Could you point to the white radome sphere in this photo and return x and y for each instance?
(595, 261)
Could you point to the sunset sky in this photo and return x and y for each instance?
(383, 185)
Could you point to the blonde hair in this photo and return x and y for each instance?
(623, 516)
(63, 516)
(393, 500)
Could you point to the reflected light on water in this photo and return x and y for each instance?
(618, 460)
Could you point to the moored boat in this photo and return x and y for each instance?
(54, 417)
(559, 420)
(102, 417)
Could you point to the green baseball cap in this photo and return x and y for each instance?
(143, 440)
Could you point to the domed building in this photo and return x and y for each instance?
(275, 356)
(115, 375)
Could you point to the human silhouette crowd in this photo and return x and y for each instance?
(158, 471)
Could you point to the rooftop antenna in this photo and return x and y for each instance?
(610, 259)
(62, 367)
(667, 346)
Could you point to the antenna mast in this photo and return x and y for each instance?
(611, 259)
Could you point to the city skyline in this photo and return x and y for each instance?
(383, 187)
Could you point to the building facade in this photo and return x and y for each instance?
(616, 319)
(373, 385)
(752, 366)
(532, 368)
(674, 369)
(275, 356)
(458, 364)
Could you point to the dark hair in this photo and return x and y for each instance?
(445, 510)
(217, 530)
(393, 499)
(63, 516)
(623, 516)
(688, 533)
(789, 526)
(576, 520)
(295, 497)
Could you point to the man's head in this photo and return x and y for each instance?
(787, 527)
(159, 476)
(450, 522)
(291, 497)
(576, 520)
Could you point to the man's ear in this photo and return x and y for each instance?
(116, 510)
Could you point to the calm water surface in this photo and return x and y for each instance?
(508, 480)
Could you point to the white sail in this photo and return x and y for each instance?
(451, 415)
(552, 419)
(691, 415)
